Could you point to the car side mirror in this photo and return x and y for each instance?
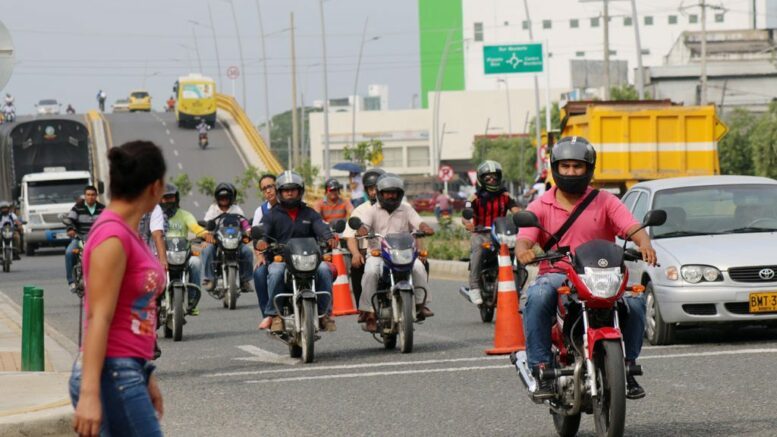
(338, 226)
(468, 213)
(656, 217)
(257, 232)
(526, 219)
(355, 223)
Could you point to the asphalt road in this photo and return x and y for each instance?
(226, 378)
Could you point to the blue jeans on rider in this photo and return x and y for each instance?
(245, 260)
(69, 260)
(540, 312)
(260, 285)
(126, 404)
(275, 275)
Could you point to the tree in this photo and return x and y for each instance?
(308, 171)
(555, 119)
(507, 152)
(367, 151)
(735, 150)
(183, 184)
(249, 179)
(206, 186)
(281, 132)
(624, 92)
(764, 143)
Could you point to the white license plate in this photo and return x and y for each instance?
(61, 236)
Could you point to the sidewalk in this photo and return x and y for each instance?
(33, 403)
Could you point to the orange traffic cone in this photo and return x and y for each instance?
(342, 304)
(508, 331)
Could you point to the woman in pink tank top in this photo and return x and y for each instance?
(112, 386)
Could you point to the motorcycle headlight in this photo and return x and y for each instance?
(230, 242)
(401, 256)
(176, 257)
(304, 263)
(7, 233)
(506, 240)
(603, 283)
(696, 274)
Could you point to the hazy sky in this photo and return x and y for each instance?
(69, 49)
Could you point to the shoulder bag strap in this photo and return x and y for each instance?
(570, 221)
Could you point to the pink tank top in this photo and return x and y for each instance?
(132, 331)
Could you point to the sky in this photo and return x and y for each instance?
(68, 50)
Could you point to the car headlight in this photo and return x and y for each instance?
(304, 263)
(176, 257)
(603, 283)
(230, 242)
(695, 274)
(506, 240)
(401, 256)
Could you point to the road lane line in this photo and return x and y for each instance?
(180, 166)
(712, 353)
(358, 366)
(261, 355)
(175, 152)
(164, 124)
(172, 141)
(196, 204)
(167, 131)
(372, 374)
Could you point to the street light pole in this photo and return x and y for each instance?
(240, 51)
(197, 49)
(294, 122)
(215, 45)
(268, 116)
(606, 10)
(640, 70)
(436, 114)
(537, 124)
(509, 116)
(326, 91)
(703, 97)
(356, 81)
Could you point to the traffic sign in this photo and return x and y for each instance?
(233, 72)
(445, 173)
(473, 176)
(514, 58)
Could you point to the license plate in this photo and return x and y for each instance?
(763, 302)
(61, 236)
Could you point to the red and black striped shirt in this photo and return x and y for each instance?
(488, 208)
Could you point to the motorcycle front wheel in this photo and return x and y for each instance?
(230, 300)
(407, 305)
(610, 406)
(308, 332)
(7, 256)
(566, 426)
(178, 312)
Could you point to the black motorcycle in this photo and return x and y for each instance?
(173, 308)
(226, 268)
(78, 269)
(6, 251)
(203, 140)
(502, 231)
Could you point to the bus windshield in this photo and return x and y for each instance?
(197, 91)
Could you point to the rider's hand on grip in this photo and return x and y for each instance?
(649, 254)
(261, 246)
(526, 256)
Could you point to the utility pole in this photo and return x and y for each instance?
(240, 51)
(703, 99)
(436, 113)
(294, 121)
(355, 85)
(267, 115)
(326, 92)
(606, 13)
(640, 71)
(216, 45)
(537, 127)
(197, 49)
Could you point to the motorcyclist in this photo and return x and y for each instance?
(391, 215)
(101, 97)
(572, 165)
(8, 100)
(9, 111)
(332, 206)
(358, 248)
(203, 127)
(225, 194)
(489, 202)
(267, 185)
(179, 223)
(83, 215)
(7, 216)
(170, 104)
(70, 109)
(292, 218)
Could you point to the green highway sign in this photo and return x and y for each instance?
(514, 58)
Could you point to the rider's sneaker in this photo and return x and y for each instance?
(72, 287)
(277, 324)
(16, 256)
(370, 323)
(157, 351)
(423, 312)
(246, 286)
(208, 284)
(327, 324)
(544, 386)
(194, 311)
(475, 297)
(633, 389)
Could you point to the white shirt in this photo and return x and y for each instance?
(157, 222)
(259, 213)
(349, 231)
(540, 188)
(214, 211)
(11, 217)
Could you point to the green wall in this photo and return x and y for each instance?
(436, 19)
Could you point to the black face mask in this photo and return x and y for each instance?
(572, 184)
(291, 203)
(169, 208)
(390, 204)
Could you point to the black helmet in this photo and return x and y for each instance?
(333, 184)
(170, 208)
(286, 181)
(225, 189)
(390, 182)
(370, 179)
(488, 167)
(573, 149)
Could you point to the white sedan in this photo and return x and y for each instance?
(716, 252)
(48, 106)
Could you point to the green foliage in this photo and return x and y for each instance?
(624, 92)
(735, 150)
(206, 186)
(365, 152)
(249, 179)
(308, 171)
(764, 143)
(555, 119)
(507, 151)
(450, 242)
(183, 184)
(281, 132)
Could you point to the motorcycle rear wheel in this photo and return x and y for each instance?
(566, 426)
(610, 406)
(178, 312)
(308, 333)
(6, 265)
(405, 334)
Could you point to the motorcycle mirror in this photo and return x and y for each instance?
(355, 223)
(211, 225)
(338, 226)
(656, 217)
(526, 219)
(468, 213)
(257, 232)
(67, 221)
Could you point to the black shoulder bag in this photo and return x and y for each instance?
(570, 221)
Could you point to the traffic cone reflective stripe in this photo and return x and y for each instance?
(342, 303)
(508, 329)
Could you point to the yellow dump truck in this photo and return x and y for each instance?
(643, 140)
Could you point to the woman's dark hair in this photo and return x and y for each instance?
(133, 167)
(267, 175)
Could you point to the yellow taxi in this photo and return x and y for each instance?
(139, 100)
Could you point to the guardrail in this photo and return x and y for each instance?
(230, 105)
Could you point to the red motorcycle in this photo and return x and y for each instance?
(589, 371)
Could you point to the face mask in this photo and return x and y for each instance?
(572, 184)
(291, 203)
(169, 208)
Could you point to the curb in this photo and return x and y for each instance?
(448, 270)
(49, 422)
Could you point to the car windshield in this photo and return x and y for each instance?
(41, 193)
(720, 209)
(122, 101)
(197, 91)
(139, 95)
(47, 102)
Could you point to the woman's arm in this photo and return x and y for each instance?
(107, 264)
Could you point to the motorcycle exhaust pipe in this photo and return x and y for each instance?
(522, 366)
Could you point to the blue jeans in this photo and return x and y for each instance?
(275, 274)
(245, 258)
(260, 285)
(126, 404)
(540, 312)
(69, 260)
(195, 273)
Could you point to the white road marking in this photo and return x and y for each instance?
(261, 355)
(196, 203)
(167, 131)
(371, 374)
(175, 152)
(180, 166)
(358, 366)
(172, 141)
(164, 124)
(712, 353)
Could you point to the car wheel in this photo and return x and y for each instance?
(657, 331)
